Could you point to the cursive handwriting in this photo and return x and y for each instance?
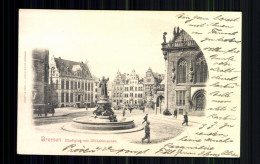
(227, 85)
(83, 149)
(219, 32)
(228, 117)
(222, 39)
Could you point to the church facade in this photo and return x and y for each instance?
(186, 74)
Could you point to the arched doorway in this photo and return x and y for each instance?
(199, 100)
(159, 103)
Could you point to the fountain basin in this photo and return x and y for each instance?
(90, 123)
(97, 125)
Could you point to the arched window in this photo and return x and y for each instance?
(201, 70)
(182, 67)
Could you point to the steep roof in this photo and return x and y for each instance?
(69, 67)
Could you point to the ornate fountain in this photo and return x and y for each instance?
(103, 119)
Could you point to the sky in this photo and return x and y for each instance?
(108, 40)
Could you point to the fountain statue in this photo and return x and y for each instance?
(103, 119)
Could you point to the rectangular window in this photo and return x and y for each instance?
(62, 84)
(91, 98)
(67, 97)
(86, 86)
(180, 98)
(71, 85)
(82, 85)
(71, 97)
(78, 84)
(88, 97)
(62, 97)
(91, 86)
(75, 85)
(67, 84)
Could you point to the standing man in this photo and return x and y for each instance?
(130, 110)
(47, 109)
(175, 113)
(124, 112)
(185, 119)
(52, 110)
(145, 118)
(147, 132)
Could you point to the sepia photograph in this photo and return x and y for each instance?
(138, 83)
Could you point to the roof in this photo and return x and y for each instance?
(70, 67)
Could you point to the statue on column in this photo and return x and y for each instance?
(164, 37)
(103, 85)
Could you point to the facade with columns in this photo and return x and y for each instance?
(186, 74)
(72, 81)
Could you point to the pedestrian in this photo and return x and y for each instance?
(130, 110)
(52, 110)
(124, 112)
(47, 109)
(145, 118)
(143, 109)
(185, 119)
(86, 107)
(175, 113)
(147, 132)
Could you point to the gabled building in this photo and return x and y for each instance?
(118, 89)
(151, 81)
(133, 90)
(72, 81)
(186, 74)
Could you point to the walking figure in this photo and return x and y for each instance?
(52, 110)
(145, 118)
(130, 109)
(46, 110)
(175, 113)
(185, 119)
(147, 132)
(124, 112)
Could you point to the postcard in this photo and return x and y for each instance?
(129, 83)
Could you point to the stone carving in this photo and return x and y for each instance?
(191, 74)
(173, 72)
